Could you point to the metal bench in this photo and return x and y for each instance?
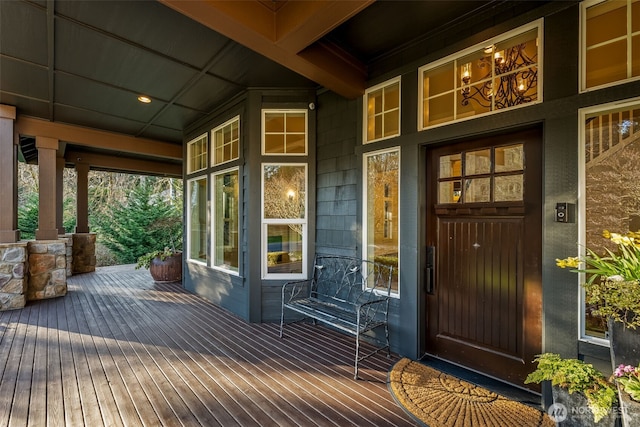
(349, 294)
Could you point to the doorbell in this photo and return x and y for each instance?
(564, 212)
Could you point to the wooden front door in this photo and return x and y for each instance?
(483, 272)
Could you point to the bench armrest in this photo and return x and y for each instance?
(295, 290)
(375, 311)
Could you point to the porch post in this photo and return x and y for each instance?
(47, 148)
(8, 176)
(60, 162)
(82, 198)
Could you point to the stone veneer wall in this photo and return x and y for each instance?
(13, 269)
(47, 277)
(84, 252)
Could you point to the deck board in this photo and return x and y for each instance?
(121, 350)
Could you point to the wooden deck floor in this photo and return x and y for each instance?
(122, 350)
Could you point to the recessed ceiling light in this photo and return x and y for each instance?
(144, 99)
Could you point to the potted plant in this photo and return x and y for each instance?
(576, 386)
(628, 379)
(165, 265)
(613, 287)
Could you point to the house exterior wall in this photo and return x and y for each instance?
(335, 171)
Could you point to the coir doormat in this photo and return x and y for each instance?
(441, 400)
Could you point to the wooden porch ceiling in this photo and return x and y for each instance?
(288, 32)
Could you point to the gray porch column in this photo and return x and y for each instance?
(47, 222)
(8, 176)
(60, 161)
(82, 198)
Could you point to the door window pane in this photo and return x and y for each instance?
(226, 220)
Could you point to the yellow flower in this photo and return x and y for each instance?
(606, 234)
(619, 239)
(570, 262)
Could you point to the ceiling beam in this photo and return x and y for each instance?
(123, 164)
(285, 33)
(28, 126)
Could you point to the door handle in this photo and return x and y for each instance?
(429, 276)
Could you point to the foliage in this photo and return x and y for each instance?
(140, 224)
(629, 377)
(144, 261)
(28, 216)
(613, 282)
(577, 377)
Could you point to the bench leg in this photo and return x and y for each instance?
(282, 321)
(355, 375)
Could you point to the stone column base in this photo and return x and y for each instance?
(13, 281)
(84, 252)
(47, 277)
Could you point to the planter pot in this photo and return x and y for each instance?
(625, 344)
(167, 270)
(572, 410)
(625, 350)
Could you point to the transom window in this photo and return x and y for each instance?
(498, 74)
(197, 154)
(382, 111)
(284, 132)
(610, 42)
(226, 141)
(482, 176)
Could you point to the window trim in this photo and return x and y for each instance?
(212, 225)
(285, 111)
(265, 222)
(582, 210)
(582, 54)
(213, 141)
(365, 123)
(537, 24)
(190, 144)
(365, 200)
(188, 225)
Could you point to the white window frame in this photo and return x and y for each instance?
(212, 226)
(190, 146)
(539, 24)
(285, 111)
(582, 211)
(283, 221)
(213, 141)
(207, 226)
(583, 48)
(365, 103)
(365, 200)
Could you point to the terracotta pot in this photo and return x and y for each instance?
(167, 270)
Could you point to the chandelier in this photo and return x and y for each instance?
(510, 75)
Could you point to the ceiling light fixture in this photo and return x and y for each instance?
(144, 99)
(510, 78)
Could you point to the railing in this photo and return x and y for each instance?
(608, 134)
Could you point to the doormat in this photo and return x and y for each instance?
(441, 400)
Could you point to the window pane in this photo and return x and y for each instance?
(451, 165)
(449, 191)
(477, 162)
(606, 21)
(382, 209)
(284, 248)
(392, 97)
(198, 219)
(383, 112)
(606, 64)
(477, 190)
(226, 138)
(612, 193)
(438, 80)
(439, 109)
(508, 188)
(285, 132)
(226, 221)
(197, 154)
(635, 55)
(274, 122)
(274, 143)
(284, 192)
(296, 122)
(295, 143)
(391, 124)
(509, 158)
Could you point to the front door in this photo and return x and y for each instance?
(483, 272)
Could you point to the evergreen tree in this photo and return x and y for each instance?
(144, 222)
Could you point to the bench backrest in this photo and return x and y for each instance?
(350, 280)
